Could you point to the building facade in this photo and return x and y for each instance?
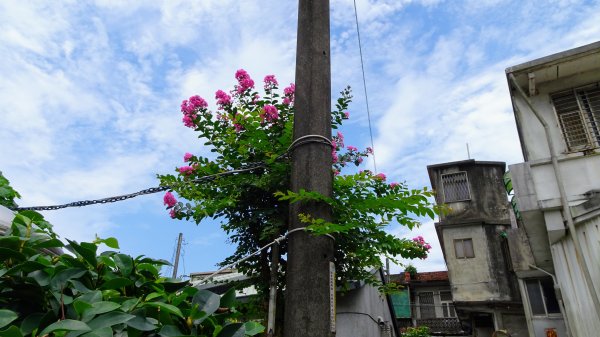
(425, 299)
(473, 232)
(556, 102)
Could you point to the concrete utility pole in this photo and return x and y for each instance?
(308, 305)
(176, 264)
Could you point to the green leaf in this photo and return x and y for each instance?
(31, 323)
(165, 307)
(59, 280)
(170, 331)
(100, 308)
(116, 283)
(66, 325)
(228, 299)
(12, 331)
(141, 323)
(110, 242)
(109, 319)
(80, 306)
(91, 297)
(86, 252)
(233, 330)
(207, 301)
(124, 263)
(253, 328)
(6, 253)
(104, 332)
(7, 316)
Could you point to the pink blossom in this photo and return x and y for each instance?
(172, 213)
(340, 137)
(187, 156)
(270, 82)
(427, 246)
(222, 99)
(270, 112)
(241, 74)
(334, 156)
(188, 120)
(346, 115)
(380, 176)
(197, 102)
(393, 185)
(369, 150)
(289, 91)
(336, 172)
(187, 170)
(359, 160)
(256, 98)
(238, 127)
(352, 148)
(244, 81)
(169, 199)
(287, 101)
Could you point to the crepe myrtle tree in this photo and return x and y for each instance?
(248, 128)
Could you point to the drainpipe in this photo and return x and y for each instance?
(558, 293)
(563, 196)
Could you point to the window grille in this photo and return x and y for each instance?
(455, 187)
(578, 112)
(426, 307)
(447, 304)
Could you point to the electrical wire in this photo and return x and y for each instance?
(362, 65)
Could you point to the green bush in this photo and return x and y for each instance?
(46, 293)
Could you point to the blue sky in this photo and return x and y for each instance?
(90, 94)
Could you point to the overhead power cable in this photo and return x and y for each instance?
(233, 264)
(362, 66)
(245, 168)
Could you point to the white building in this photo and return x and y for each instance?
(556, 101)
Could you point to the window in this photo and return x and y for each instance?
(578, 112)
(463, 248)
(542, 298)
(426, 305)
(455, 187)
(447, 304)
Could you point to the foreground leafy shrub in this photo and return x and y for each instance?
(46, 293)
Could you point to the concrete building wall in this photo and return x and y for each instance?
(363, 312)
(470, 278)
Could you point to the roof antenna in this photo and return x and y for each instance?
(468, 153)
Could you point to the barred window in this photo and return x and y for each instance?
(426, 305)
(447, 304)
(578, 112)
(455, 187)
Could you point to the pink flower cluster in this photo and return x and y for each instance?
(270, 82)
(189, 108)
(222, 99)
(346, 115)
(393, 185)
(421, 242)
(169, 199)
(270, 113)
(187, 156)
(244, 81)
(187, 170)
(380, 176)
(289, 93)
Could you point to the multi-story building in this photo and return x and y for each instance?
(556, 102)
(473, 233)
